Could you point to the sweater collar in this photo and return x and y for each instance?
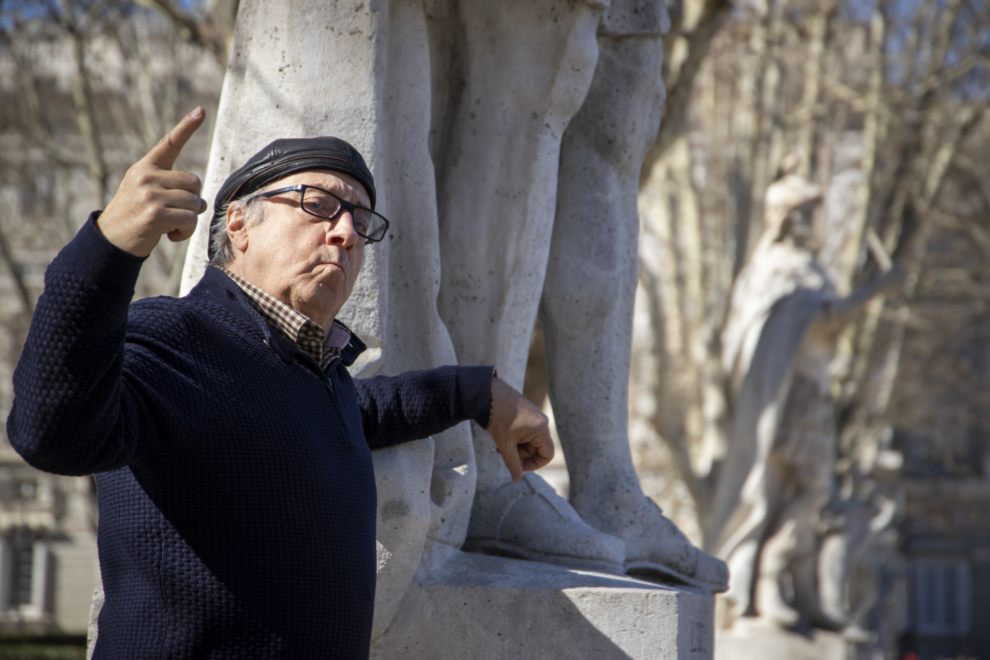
(217, 287)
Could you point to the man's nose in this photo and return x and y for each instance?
(340, 232)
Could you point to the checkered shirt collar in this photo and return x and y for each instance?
(305, 333)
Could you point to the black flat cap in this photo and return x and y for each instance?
(288, 156)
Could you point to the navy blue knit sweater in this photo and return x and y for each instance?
(236, 491)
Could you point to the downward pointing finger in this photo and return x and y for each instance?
(510, 456)
(164, 153)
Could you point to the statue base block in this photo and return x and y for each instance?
(780, 645)
(482, 607)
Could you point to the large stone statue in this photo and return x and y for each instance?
(779, 472)
(462, 106)
(586, 310)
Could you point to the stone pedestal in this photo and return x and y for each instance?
(482, 607)
(768, 644)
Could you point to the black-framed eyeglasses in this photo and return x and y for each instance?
(324, 204)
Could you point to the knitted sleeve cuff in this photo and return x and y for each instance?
(97, 262)
(475, 385)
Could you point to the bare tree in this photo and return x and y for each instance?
(829, 81)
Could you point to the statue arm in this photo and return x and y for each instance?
(841, 310)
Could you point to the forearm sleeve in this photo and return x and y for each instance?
(75, 410)
(418, 404)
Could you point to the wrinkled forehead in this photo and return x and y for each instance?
(343, 185)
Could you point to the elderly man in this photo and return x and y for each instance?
(232, 447)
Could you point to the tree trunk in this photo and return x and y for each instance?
(696, 38)
(966, 119)
(818, 25)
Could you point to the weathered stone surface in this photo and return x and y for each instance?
(402, 477)
(482, 607)
(94, 621)
(626, 18)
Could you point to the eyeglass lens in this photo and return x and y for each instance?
(324, 205)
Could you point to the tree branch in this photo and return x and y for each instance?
(699, 41)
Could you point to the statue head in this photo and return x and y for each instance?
(789, 209)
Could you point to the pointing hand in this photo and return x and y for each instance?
(520, 430)
(153, 199)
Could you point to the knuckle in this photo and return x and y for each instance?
(186, 181)
(156, 214)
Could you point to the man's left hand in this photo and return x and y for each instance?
(520, 430)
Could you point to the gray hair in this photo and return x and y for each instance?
(254, 214)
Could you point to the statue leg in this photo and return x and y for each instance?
(743, 547)
(588, 303)
(519, 71)
(806, 556)
(772, 599)
(793, 551)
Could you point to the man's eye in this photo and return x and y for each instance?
(319, 206)
(362, 220)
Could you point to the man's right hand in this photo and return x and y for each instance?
(520, 430)
(152, 199)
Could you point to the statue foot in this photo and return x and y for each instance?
(774, 608)
(528, 520)
(822, 620)
(859, 635)
(785, 617)
(658, 551)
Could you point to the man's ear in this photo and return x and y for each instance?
(237, 229)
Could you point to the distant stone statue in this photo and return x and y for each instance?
(779, 472)
(853, 550)
(462, 106)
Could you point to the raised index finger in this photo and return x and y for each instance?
(164, 153)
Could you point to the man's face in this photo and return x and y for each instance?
(307, 262)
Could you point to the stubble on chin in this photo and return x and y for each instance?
(325, 295)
